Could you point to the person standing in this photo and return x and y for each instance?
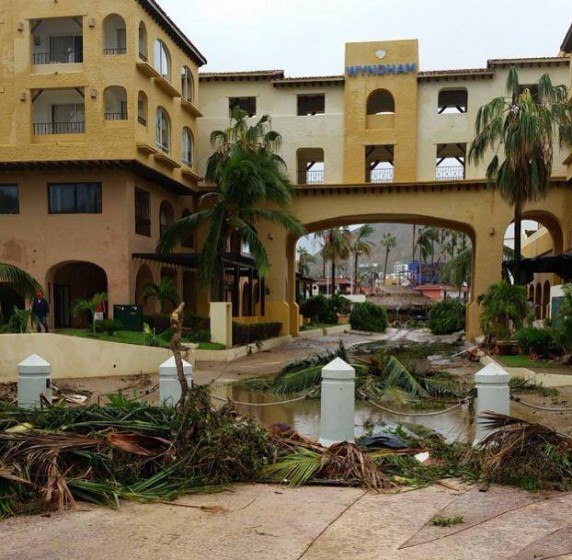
(40, 309)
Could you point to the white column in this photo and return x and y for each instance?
(34, 379)
(338, 403)
(169, 386)
(221, 322)
(493, 394)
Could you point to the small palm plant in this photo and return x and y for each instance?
(164, 291)
(91, 305)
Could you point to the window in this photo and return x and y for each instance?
(63, 49)
(380, 102)
(452, 101)
(311, 104)
(115, 35)
(74, 198)
(247, 104)
(166, 217)
(162, 60)
(142, 212)
(187, 147)
(142, 42)
(379, 163)
(187, 87)
(162, 130)
(9, 203)
(142, 108)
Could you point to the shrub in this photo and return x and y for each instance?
(196, 322)
(198, 335)
(541, 342)
(108, 326)
(446, 317)
(317, 309)
(158, 322)
(563, 320)
(246, 333)
(368, 317)
(340, 305)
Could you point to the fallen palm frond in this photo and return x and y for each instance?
(523, 453)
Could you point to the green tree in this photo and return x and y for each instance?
(389, 242)
(336, 248)
(90, 305)
(19, 280)
(305, 259)
(522, 128)
(361, 245)
(164, 291)
(250, 187)
(426, 239)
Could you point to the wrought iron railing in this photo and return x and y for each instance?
(115, 50)
(58, 57)
(42, 129)
(310, 177)
(115, 116)
(384, 175)
(449, 173)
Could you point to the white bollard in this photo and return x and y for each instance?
(338, 403)
(169, 386)
(493, 394)
(34, 379)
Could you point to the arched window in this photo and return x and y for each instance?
(166, 217)
(380, 102)
(142, 108)
(114, 35)
(187, 147)
(162, 59)
(187, 84)
(143, 51)
(115, 101)
(162, 130)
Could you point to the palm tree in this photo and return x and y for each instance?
(524, 126)
(426, 239)
(250, 187)
(91, 305)
(164, 291)
(360, 245)
(389, 242)
(19, 280)
(336, 248)
(305, 258)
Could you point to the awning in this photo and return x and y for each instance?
(559, 264)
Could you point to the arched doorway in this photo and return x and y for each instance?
(73, 281)
(144, 275)
(538, 301)
(545, 299)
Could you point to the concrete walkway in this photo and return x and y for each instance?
(265, 522)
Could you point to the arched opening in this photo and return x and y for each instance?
(530, 292)
(144, 275)
(114, 35)
(189, 242)
(187, 84)
(187, 147)
(73, 281)
(143, 49)
(246, 306)
(171, 273)
(166, 216)
(380, 102)
(538, 301)
(545, 299)
(162, 59)
(142, 108)
(162, 130)
(115, 103)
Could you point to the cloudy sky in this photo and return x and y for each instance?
(306, 37)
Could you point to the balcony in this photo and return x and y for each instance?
(311, 177)
(66, 127)
(115, 116)
(115, 50)
(54, 57)
(57, 41)
(383, 175)
(450, 173)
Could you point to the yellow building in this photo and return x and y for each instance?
(106, 135)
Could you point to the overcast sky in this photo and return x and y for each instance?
(306, 37)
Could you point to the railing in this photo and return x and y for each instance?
(42, 129)
(143, 227)
(450, 173)
(115, 50)
(58, 57)
(141, 120)
(384, 175)
(310, 177)
(115, 116)
(142, 56)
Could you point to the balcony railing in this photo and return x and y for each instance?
(67, 57)
(142, 56)
(115, 116)
(310, 177)
(115, 50)
(384, 175)
(42, 129)
(141, 120)
(450, 173)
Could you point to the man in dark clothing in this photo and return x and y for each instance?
(40, 309)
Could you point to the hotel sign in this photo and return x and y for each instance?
(380, 69)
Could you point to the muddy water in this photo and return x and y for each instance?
(304, 416)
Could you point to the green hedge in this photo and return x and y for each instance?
(162, 321)
(245, 333)
(446, 317)
(541, 342)
(368, 317)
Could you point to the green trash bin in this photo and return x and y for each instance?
(130, 316)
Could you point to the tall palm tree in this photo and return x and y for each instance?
(250, 187)
(389, 242)
(361, 245)
(336, 248)
(426, 239)
(305, 258)
(524, 125)
(164, 291)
